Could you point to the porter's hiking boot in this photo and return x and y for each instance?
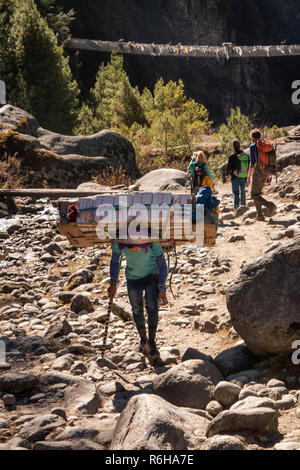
(260, 218)
(153, 351)
(271, 209)
(143, 347)
(154, 358)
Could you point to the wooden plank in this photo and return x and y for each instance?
(50, 193)
(86, 239)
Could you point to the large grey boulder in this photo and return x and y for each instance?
(54, 378)
(249, 419)
(26, 344)
(17, 382)
(162, 179)
(190, 384)
(150, 423)
(288, 153)
(65, 161)
(254, 402)
(264, 301)
(233, 360)
(40, 427)
(16, 119)
(289, 158)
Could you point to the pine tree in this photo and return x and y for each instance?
(6, 55)
(87, 124)
(126, 106)
(43, 84)
(237, 127)
(56, 18)
(108, 82)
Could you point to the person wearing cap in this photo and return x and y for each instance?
(146, 272)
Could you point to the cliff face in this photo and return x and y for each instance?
(261, 87)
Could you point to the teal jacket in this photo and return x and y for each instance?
(140, 264)
(191, 169)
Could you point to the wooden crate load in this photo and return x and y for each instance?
(160, 219)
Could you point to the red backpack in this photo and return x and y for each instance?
(267, 156)
(199, 175)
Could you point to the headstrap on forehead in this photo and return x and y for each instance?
(132, 245)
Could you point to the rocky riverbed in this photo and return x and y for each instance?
(57, 392)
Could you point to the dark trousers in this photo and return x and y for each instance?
(239, 191)
(136, 289)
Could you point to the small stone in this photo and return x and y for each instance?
(111, 388)
(77, 433)
(236, 238)
(208, 327)
(3, 424)
(214, 408)
(54, 445)
(63, 363)
(287, 446)
(79, 368)
(57, 330)
(81, 302)
(275, 393)
(9, 400)
(104, 362)
(245, 393)
(275, 383)
(59, 412)
(287, 402)
(223, 443)
(226, 393)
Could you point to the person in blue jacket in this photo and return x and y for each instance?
(146, 271)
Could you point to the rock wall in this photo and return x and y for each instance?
(260, 86)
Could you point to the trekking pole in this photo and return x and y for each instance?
(109, 309)
(192, 184)
(276, 162)
(174, 269)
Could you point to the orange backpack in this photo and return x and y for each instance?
(266, 155)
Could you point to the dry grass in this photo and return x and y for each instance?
(178, 158)
(11, 176)
(113, 176)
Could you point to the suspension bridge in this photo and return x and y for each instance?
(225, 51)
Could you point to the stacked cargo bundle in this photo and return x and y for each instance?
(137, 218)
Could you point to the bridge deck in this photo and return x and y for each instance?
(226, 51)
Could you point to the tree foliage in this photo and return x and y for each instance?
(237, 127)
(36, 72)
(164, 118)
(58, 20)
